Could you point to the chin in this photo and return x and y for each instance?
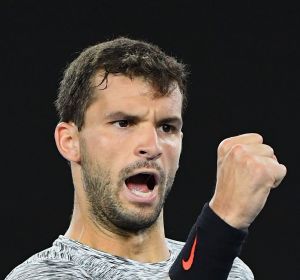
(135, 221)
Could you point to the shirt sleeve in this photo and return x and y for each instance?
(210, 249)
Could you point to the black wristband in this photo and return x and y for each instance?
(210, 249)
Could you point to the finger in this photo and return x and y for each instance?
(248, 138)
(259, 150)
(282, 170)
(278, 171)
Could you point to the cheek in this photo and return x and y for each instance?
(110, 151)
(103, 148)
(173, 151)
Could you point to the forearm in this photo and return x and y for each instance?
(216, 245)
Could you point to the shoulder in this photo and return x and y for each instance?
(56, 262)
(240, 270)
(47, 269)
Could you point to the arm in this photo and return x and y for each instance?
(247, 171)
(216, 244)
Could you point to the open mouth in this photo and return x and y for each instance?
(141, 184)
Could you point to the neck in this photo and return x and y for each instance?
(144, 246)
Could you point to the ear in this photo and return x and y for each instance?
(67, 141)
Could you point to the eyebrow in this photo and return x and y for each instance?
(172, 120)
(123, 115)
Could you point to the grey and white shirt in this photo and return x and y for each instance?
(68, 259)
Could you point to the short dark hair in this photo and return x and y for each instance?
(132, 58)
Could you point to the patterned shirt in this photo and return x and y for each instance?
(68, 259)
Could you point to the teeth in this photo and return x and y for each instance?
(142, 194)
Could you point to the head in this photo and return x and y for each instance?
(120, 105)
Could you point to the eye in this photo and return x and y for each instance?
(167, 128)
(122, 123)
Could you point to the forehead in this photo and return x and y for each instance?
(118, 88)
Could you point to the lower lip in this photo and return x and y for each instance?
(135, 198)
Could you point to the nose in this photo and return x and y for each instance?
(148, 144)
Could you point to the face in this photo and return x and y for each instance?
(130, 146)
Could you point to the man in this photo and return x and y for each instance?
(120, 105)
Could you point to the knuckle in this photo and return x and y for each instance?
(223, 146)
(259, 169)
(263, 174)
(284, 169)
(270, 149)
(259, 137)
(238, 151)
(254, 165)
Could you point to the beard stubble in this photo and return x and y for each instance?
(105, 207)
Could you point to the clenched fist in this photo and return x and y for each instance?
(247, 170)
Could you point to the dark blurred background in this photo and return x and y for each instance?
(244, 63)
